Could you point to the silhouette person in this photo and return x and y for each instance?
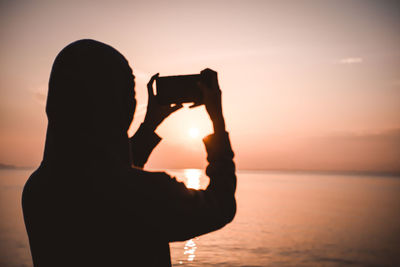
(86, 205)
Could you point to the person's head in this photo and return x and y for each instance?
(91, 94)
(91, 88)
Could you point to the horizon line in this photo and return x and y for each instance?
(4, 166)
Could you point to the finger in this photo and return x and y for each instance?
(202, 86)
(209, 78)
(155, 76)
(214, 80)
(150, 85)
(195, 105)
(176, 107)
(208, 71)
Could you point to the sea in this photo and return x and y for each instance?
(282, 219)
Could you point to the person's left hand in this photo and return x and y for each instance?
(156, 113)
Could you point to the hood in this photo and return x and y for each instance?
(90, 104)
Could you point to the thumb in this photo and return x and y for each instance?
(175, 108)
(195, 105)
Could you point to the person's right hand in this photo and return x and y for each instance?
(156, 113)
(212, 98)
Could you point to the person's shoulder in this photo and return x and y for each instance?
(40, 175)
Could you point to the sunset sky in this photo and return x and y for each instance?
(311, 85)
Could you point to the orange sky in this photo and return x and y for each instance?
(306, 84)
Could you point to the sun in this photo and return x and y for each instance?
(193, 132)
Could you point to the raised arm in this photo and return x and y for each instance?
(180, 213)
(142, 144)
(196, 212)
(207, 210)
(167, 206)
(145, 138)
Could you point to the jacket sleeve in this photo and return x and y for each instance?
(184, 213)
(142, 144)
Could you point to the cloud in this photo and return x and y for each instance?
(40, 96)
(395, 83)
(351, 60)
(382, 135)
(368, 151)
(371, 151)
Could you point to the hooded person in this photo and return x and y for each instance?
(87, 204)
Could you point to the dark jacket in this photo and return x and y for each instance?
(127, 216)
(87, 206)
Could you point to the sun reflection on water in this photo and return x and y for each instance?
(190, 249)
(192, 178)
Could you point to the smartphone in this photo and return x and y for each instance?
(178, 89)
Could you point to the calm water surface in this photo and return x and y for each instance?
(283, 219)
